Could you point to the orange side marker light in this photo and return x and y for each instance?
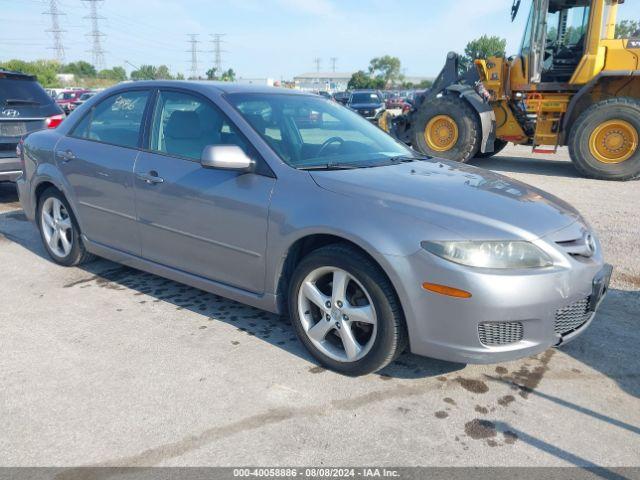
(445, 290)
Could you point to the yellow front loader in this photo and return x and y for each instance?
(573, 83)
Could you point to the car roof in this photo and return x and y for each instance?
(13, 74)
(223, 87)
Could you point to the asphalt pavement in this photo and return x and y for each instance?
(104, 365)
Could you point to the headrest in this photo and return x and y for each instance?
(258, 123)
(183, 124)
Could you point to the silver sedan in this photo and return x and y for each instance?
(295, 204)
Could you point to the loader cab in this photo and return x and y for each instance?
(555, 39)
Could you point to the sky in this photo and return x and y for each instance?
(266, 38)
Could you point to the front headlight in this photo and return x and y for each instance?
(491, 254)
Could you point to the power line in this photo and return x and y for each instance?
(334, 60)
(318, 62)
(216, 38)
(97, 52)
(193, 41)
(55, 29)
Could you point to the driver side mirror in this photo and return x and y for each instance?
(226, 157)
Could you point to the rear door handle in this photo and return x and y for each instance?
(65, 155)
(151, 178)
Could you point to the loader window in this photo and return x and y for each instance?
(567, 29)
(525, 48)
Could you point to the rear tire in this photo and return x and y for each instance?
(327, 320)
(59, 230)
(498, 146)
(464, 142)
(603, 142)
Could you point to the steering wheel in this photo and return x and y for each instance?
(328, 142)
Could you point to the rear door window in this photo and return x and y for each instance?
(116, 120)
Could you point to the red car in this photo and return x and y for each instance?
(66, 98)
(395, 102)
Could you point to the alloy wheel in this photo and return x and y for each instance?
(57, 227)
(337, 314)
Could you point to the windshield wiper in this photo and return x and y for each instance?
(406, 159)
(329, 166)
(20, 101)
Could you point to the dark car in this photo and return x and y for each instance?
(67, 98)
(368, 103)
(83, 98)
(341, 97)
(24, 107)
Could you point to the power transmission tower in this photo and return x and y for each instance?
(55, 29)
(317, 61)
(334, 60)
(193, 40)
(216, 38)
(97, 52)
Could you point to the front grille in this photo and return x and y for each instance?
(500, 333)
(572, 317)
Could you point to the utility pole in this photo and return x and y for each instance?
(216, 38)
(334, 60)
(317, 61)
(97, 52)
(55, 29)
(193, 41)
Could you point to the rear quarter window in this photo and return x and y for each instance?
(116, 120)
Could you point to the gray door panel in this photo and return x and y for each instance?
(101, 177)
(211, 223)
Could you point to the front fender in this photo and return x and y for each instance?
(485, 113)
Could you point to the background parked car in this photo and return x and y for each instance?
(24, 108)
(66, 98)
(368, 103)
(83, 98)
(395, 101)
(341, 97)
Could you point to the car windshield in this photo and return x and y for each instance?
(66, 95)
(86, 96)
(365, 98)
(14, 91)
(310, 132)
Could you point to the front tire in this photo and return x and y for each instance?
(59, 230)
(447, 127)
(603, 142)
(345, 311)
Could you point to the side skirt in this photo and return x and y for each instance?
(268, 302)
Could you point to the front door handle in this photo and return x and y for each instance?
(65, 155)
(151, 178)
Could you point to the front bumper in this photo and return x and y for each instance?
(448, 328)
(373, 116)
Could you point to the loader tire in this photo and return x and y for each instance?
(604, 141)
(498, 146)
(447, 127)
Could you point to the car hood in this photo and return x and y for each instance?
(366, 105)
(470, 202)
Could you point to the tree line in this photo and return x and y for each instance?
(86, 74)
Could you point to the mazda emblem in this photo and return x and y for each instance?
(591, 243)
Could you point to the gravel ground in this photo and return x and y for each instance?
(105, 365)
